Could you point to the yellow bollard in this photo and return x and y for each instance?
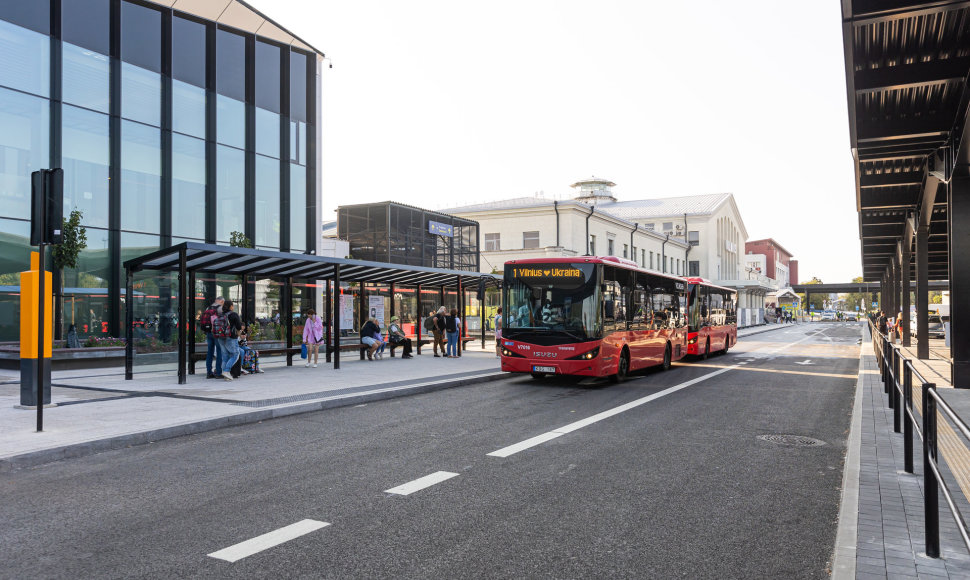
(29, 330)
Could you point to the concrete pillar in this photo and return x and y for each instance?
(959, 251)
(905, 281)
(922, 292)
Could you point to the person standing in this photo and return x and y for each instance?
(498, 332)
(226, 328)
(451, 327)
(312, 337)
(439, 331)
(213, 352)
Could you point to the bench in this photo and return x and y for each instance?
(200, 356)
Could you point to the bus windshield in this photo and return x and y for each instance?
(562, 300)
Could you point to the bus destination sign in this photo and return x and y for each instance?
(547, 272)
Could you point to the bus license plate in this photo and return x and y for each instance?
(543, 369)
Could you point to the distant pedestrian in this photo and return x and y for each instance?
(439, 331)
(498, 332)
(213, 352)
(225, 328)
(452, 324)
(313, 337)
(882, 322)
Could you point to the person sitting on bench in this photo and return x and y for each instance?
(367, 333)
(395, 335)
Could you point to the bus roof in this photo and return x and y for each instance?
(705, 282)
(608, 260)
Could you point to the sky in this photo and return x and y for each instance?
(443, 103)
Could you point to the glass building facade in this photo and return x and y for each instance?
(402, 234)
(169, 127)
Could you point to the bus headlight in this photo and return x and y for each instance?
(692, 341)
(507, 352)
(587, 355)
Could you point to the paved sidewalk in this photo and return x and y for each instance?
(881, 527)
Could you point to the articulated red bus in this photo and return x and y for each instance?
(590, 316)
(712, 322)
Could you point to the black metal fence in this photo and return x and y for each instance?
(897, 373)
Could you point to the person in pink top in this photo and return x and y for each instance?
(313, 336)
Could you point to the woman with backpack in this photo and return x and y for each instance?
(225, 328)
(452, 324)
(312, 337)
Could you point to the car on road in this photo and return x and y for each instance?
(935, 329)
(828, 315)
(850, 317)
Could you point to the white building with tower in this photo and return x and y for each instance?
(698, 235)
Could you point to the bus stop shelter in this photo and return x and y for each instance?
(906, 68)
(187, 259)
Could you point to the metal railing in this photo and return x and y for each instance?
(893, 366)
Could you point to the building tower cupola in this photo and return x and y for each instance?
(594, 190)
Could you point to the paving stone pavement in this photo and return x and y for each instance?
(890, 540)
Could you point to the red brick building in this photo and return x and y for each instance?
(778, 262)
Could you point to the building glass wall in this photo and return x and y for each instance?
(150, 156)
(400, 234)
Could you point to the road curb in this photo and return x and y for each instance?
(74, 450)
(846, 536)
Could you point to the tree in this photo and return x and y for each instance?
(65, 255)
(817, 299)
(239, 240)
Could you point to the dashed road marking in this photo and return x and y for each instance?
(276, 537)
(421, 483)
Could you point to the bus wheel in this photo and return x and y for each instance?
(707, 350)
(727, 345)
(622, 367)
(538, 376)
(666, 363)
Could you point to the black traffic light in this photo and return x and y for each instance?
(46, 206)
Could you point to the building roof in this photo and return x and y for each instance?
(238, 14)
(669, 206)
(769, 241)
(514, 203)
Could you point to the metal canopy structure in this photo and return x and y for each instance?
(858, 287)
(906, 67)
(190, 258)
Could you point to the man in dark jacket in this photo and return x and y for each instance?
(367, 333)
(212, 349)
(883, 323)
(439, 331)
(230, 344)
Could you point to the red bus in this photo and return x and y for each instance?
(590, 316)
(712, 322)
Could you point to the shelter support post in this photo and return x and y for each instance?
(959, 250)
(183, 313)
(905, 283)
(922, 292)
(129, 324)
(336, 319)
(420, 322)
(391, 292)
(191, 322)
(245, 313)
(287, 293)
(461, 313)
(328, 321)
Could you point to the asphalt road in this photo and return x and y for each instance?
(678, 485)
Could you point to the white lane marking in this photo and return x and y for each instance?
(421, 483)
(539, 439)
(805, 362)
(266, 541)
